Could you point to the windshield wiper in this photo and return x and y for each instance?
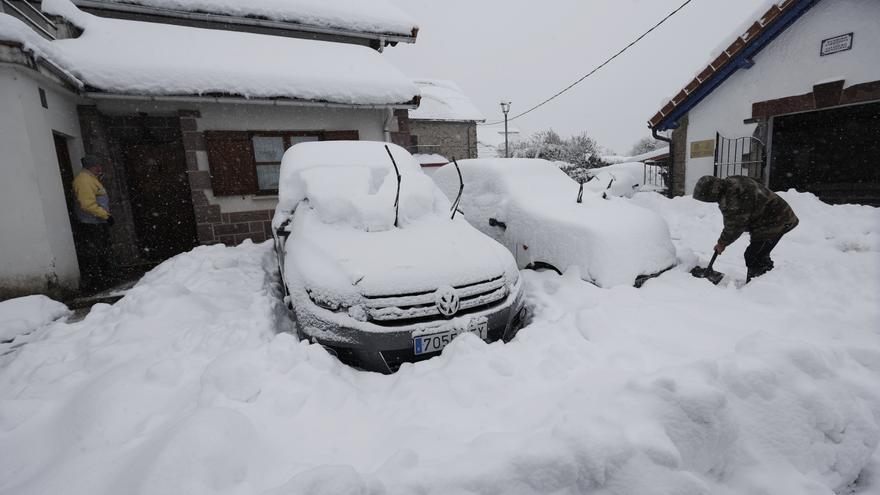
(397, 196)
(460, 189)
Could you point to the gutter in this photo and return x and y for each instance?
(221, 19)
(671, 161)
(285, 102)
(35, 62)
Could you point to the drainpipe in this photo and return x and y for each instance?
(389, 115)
(671, 162)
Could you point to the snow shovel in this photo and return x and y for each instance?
(708, 272)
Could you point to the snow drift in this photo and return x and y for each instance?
(184, 386)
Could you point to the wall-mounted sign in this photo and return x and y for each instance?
(836, 44)
(702, 149)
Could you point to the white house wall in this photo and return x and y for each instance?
(789, 66)
(36, 243)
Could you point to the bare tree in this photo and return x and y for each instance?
(645, 145)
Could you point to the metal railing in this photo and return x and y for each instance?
(739, 156)
(656, 174)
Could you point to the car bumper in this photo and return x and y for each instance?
(385, 348)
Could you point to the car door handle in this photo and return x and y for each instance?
(495, 223)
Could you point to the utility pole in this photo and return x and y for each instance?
(505, 107)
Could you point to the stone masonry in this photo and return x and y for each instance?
(214, 227)
(450, 139)
(679, 160)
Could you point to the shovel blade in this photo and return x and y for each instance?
(708, 274)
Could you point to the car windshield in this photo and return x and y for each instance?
(354, 184)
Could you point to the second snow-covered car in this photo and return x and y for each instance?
(374, 268)
(531, 206)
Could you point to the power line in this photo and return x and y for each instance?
(603, 64)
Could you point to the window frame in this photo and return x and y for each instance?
(286, 137)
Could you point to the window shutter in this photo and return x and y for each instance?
(231, 161)
(340, 136)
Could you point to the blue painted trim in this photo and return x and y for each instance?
(743, 59)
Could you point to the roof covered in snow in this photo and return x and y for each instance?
(444, 100)
(139, 58)
(737, 55)
(364, 16)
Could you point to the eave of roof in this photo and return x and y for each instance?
(737, 56)
(99, 5)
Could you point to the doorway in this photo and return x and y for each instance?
(161, 201)
(65, 167)
(830, 153)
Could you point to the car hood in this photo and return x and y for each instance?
(346, 263)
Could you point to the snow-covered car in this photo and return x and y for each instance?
(373, 265)
(531, 207)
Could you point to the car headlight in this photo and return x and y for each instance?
(325, 302)
(357, 312)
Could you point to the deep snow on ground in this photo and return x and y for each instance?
(680, 387)
(25, 314)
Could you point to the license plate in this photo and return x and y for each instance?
(435, 342)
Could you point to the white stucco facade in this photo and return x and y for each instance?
(791, 65)
(36, 241)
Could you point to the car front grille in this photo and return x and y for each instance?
(405, 309)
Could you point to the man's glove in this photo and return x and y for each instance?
(719, 248)
(110, 220)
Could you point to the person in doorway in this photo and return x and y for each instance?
(748, 206)
(94, 220)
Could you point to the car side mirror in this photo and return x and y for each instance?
(282, 231)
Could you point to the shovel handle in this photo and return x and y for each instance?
(712, 262)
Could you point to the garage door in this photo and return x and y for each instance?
(834, 154)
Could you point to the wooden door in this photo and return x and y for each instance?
(161, 200)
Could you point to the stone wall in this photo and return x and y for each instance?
(679, 160)
(212, 226)
(450, 139)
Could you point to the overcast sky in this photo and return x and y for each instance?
(526, 50)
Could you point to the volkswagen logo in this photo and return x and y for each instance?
(447, 300)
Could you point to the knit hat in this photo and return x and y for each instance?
(89, 161)
(708, 189)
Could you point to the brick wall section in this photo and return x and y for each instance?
(680, 145)
(212, 226)
(450, 139)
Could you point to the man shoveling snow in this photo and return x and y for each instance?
(748, 206)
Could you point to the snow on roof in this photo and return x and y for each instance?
(444, 100)
(368, 16)
(649, 155)
(353, 183)
(143, 58)
(775, 12)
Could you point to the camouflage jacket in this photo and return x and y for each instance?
(750, 207)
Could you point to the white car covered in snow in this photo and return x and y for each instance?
(373, 266)
(530, 206)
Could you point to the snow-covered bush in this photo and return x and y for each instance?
(581, 151)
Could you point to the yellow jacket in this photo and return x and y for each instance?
(91, 198)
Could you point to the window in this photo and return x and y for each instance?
(268, 150)
(244, 162)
